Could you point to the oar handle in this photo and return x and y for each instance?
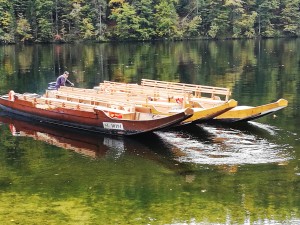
(70, 82)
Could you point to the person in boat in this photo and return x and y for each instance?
(62, 79)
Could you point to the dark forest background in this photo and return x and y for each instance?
(106, 20)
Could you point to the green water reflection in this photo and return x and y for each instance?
(50, 176)
(130, 181)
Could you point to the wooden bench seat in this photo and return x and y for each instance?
(110, 86)
(198, 90)
(65, 104)
(89, 96)
(97, 100)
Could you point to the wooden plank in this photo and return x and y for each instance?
(110, 86)
(181, 85)
(74, 95)
(198, 90)
(102, 103)
(167, 89)
(92, 99)
(122, 99)
(48, 103)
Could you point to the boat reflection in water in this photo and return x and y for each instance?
(63, 138)
(179, 150)
(96, 146)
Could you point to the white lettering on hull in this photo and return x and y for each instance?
(113, 126)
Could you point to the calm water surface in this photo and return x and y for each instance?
(205, 174)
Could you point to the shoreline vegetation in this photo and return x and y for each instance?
(66, 21)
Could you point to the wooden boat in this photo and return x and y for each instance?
(205, 97)
(105, 118)
(156, 106)
(237, 114)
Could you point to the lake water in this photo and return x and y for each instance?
(206, 174)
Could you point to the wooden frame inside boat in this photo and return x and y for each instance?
(198, 90)
(196, 98)
(141, 102)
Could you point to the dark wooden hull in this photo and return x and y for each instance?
(96, 121)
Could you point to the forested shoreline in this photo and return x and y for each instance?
(108, 20)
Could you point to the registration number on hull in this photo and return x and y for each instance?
(113, 126)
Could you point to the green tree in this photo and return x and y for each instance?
(23, 29)
(75, 17)
(7, 22)
(127, 21)
(190, 17)
(63, 24)
(236, 11)
(203, 9)
(219, 17)
(68, 20)
(99, 8)
(144, 9)
(290, 17)
(190, 27)
(267, 15)
(166, 19)
(244, 27)
(87, 29)
(44, 19)
(242, 20)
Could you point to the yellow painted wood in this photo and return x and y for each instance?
(244, 112)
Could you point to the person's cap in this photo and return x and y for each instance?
(66, 72)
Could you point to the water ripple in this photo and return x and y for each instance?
(219, 145)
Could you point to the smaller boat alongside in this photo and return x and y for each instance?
(200, 96)
(102, 117)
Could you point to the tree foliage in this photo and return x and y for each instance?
(7, 21)
(69, 20)
(23, 29)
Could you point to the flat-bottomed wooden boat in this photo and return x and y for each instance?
(203, 96)
(95, 118)
(248, 113)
